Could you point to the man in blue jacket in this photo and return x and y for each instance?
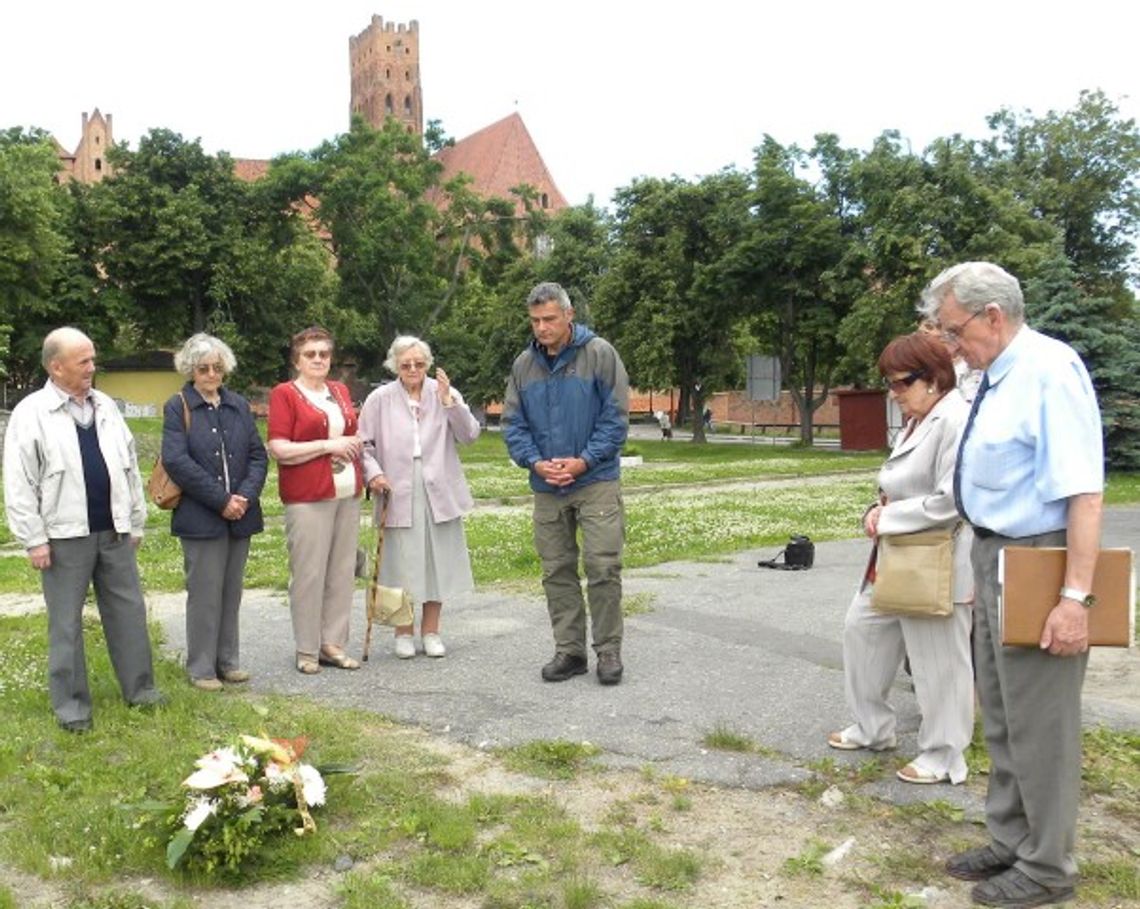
(565, 419)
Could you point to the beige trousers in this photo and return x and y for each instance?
(321, 538)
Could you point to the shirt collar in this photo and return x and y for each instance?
(1001, 366)
(64, 397)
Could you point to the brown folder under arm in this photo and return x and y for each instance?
(1031, 579)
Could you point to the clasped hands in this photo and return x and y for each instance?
(560, 471)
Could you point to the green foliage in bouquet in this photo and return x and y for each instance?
(237, 800)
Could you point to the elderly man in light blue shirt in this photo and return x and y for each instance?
(1030, 473)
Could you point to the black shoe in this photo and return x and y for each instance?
(609, 667)
(76, 726)
(975, 865)
(563, 667)
(1016, 890)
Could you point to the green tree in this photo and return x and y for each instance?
(487, 327)
(1079, 170)
(664, 301)
(184, 245)
(33, 241)
(1108, 343)
(792, 267)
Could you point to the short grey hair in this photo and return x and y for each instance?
(548, 292)
(402, 344)
(199, 347)
(974, 285)
(57, 341)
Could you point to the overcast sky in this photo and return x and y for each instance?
(610, 91)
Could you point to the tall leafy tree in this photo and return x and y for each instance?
(665, 302)
(488, 325)
(1079, 170)
(33, 239)
(791, 265)
(1109, 346)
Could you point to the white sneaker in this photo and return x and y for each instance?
(433, 645)
(405, 646)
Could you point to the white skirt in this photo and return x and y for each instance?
(428, 560)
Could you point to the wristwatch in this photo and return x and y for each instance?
(1085, 599)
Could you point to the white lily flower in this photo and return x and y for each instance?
(198, 813)
(312, 785)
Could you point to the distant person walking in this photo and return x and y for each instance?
(74, 500)
(565, 419)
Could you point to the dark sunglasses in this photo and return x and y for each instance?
(898, 386)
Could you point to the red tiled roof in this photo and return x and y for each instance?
(250, 169)
(499, 157)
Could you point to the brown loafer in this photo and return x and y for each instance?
(235, 676)
(307, 666)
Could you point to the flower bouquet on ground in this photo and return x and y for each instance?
(238, 797)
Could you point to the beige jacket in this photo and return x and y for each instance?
(918, 483)
(44, 494)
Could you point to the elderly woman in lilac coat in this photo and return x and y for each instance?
(411, 429)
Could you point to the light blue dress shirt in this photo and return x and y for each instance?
(1036, 440)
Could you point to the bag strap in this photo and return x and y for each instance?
(185, 412)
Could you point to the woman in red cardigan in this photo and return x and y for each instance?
(312, 436)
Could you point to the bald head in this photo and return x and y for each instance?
(69, 358)
(59, 342)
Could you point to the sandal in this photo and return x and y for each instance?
(840, 742)
(339, 659)
(912, 774)
(307, 666)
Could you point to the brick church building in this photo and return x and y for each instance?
(384, 65)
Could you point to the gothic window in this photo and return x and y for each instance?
(388, 106)
(545, 201)
(407, 104)
(98, 163)
(387, 74)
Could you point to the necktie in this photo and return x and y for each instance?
(982, 389)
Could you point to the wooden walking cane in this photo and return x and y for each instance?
(386, 605)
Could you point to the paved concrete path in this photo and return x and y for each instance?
(723, 643)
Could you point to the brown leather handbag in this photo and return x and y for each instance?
(163, 491)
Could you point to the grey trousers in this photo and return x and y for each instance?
(106, 559)
(321, 538)
(215, 571)
(597, 511)
(1031, 708)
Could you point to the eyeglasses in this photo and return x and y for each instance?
(417, 365)
(316, 354)
(205, 368)
(898, 386)
(954, 335)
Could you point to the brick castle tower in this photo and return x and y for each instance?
(384, 63)
(89, 162)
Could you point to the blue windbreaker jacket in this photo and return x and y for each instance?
(577, 407)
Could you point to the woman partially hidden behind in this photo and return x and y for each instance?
(916, 487)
